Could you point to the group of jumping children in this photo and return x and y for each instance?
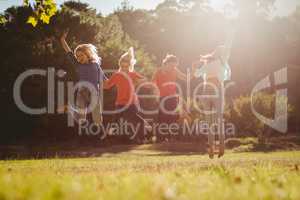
(88, 66)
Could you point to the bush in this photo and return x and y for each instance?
(242, 116)
(236, 142)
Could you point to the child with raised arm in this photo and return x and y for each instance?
(125, 80)
(87, 64)
(165, 78)
(215, 70)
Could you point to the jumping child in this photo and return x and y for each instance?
(87, 64)
(215, 70)
(165, 78)
(125, 80)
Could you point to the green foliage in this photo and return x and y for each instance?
(106, 33)
(186, 28)
(236, 142)
(3, 20)
(25, 47)
(240, 113)
(242, 116)
(43, 11)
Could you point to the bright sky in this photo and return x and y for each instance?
(283, 7)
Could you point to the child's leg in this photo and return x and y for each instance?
(171, 105)
(136, 120)
(97, 112)
(167, 115)
(131, 122)
(114, 127)
(82, 101)
(209, 117)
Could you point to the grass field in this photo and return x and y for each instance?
(154, 176)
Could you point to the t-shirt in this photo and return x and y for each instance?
(218, 68)
(166, 81)
(125, 87)
(91, 72)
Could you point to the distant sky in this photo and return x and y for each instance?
(283, 7)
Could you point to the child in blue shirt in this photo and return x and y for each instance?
(88, 68)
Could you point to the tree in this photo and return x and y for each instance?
(26, 47)
(248, 9)
(43, 10)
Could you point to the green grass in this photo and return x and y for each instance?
(154, 176)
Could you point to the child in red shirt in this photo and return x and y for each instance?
(127, 101)
(165, 78)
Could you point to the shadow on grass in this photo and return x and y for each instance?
(72, 151)
(82, 149)
(285, 143)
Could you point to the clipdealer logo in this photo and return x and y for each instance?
(280, 121)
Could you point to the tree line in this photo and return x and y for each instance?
(186, 28)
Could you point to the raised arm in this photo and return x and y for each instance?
(180, 75)
(67, 49)
(64, 42)
(208, 57)
(195, 66)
